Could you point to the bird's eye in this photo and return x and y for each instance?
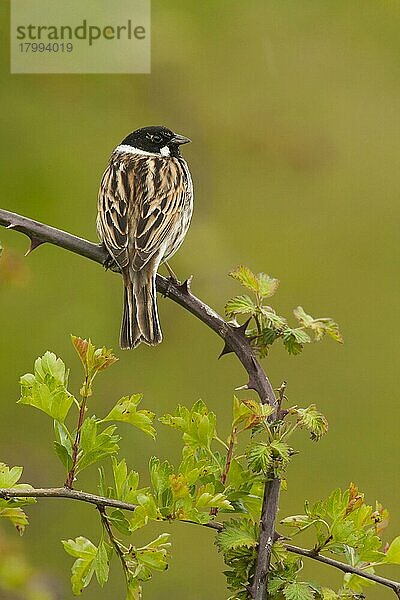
(157, 138)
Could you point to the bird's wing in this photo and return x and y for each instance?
(112, 216)
(161, 197)
(139, 208)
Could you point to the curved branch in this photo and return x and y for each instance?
(65, 492)
(394, 585)
(100, 502)
(235, 341)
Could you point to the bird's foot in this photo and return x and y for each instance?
(111, 264)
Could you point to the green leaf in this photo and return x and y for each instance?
(298, 591)
(303, 318)
(320, 326)
(94, 445)
(9, 477)
(261, 284)
(16, 516)
(245, 277)
(126, 484)
(89, 560)
(393, 552)
(259, 457)
(134, 591)
(179, 486)
(268, 336)
(197, 424)
(63, 455)
(345, 524)
(101, 563)
(313, 420)
(241, 411)
(119, 521)
(280, 451)
(294, 340)
(63, 445)
(81, 547)
(93, 359)
(207, 498)
(195, 469)
(126, 411)
(140, 563)
(50, 365)
(274, 320)
(104, 489)
(298, 521)
(46, 389)
(250, 412)
(160, 475)
(146, 511)
(85, 553)
(275, 585)
(267, 285)
(237, 534)
(154, 555)
(10, 509)
(240, 305)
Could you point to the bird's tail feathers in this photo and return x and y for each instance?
(140, 321)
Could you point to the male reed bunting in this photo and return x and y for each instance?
(145, 204)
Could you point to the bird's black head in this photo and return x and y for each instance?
(157, 139)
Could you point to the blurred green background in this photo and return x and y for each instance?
(293, 109)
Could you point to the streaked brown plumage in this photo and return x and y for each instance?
(145, 205)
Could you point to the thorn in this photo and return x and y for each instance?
(35, 243)
(11, 226)
(225, 350)
(241, 329)
(242, 387)
(185, 286)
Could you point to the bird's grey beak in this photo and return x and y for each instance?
(179, 139)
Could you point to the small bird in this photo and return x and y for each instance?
(145, 205)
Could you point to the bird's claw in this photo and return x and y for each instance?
(111, 264)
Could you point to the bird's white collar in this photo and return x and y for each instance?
(165, 152)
